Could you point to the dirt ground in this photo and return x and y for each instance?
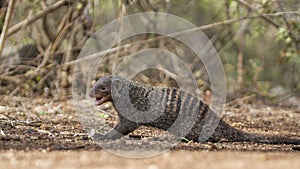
(41, 133)
(171, 159)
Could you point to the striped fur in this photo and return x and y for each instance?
(170, 109)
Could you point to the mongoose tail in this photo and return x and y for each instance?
(227, 132)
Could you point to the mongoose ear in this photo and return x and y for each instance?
(117, 84)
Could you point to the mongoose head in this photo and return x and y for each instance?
(102, 90)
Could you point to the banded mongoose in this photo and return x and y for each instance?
(170, 109)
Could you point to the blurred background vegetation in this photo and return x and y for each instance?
(260, 51)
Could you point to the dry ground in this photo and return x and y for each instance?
(41, 133)
(172, 159)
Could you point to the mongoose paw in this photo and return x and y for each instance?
(97, 137)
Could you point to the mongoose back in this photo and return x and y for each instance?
(170, 109)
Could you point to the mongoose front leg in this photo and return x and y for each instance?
(124, 127)
(102, 91)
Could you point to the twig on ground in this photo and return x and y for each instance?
(240, 100)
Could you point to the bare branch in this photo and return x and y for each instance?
(265, 17)
(39, 15)
(201, 28)
(6, 24)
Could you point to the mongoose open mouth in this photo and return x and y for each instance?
(101, 100)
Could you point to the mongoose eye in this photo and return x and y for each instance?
(102, 88)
